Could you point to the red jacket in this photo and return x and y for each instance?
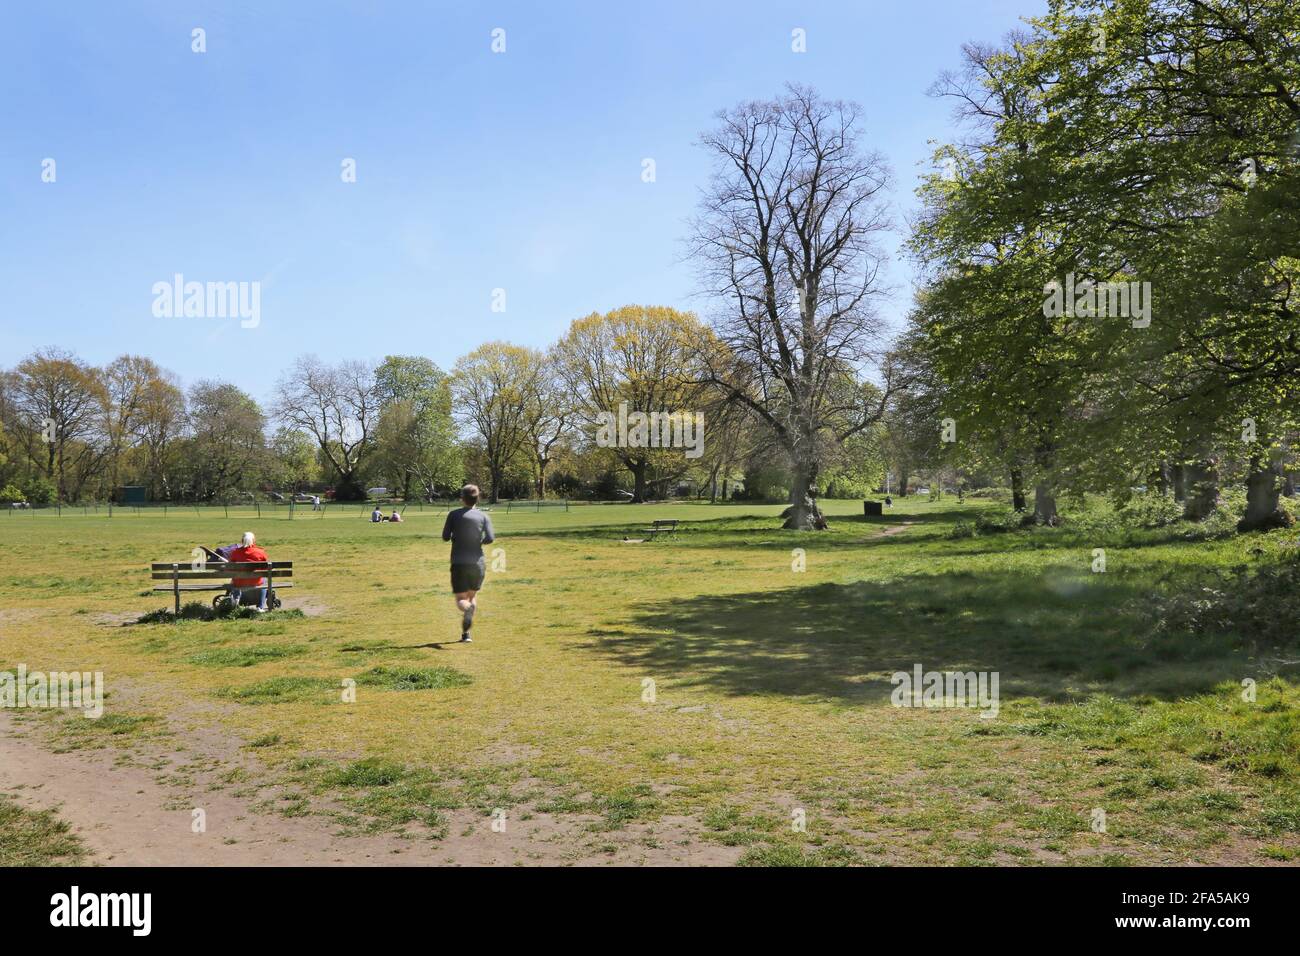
(251, 553)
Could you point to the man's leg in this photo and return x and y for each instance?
(261, 599)
(467, 603)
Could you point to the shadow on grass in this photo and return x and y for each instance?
(1057, 636)
(755, 530)
(855, 532)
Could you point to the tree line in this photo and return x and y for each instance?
(1110, 259)
(520, 422)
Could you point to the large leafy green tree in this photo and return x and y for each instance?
(416, 435)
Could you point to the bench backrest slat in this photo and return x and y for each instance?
(262, 566)
(221, 570)
(212, 574)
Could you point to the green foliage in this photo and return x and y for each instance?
(987, 522)
(1256, 607)
(294, 459)
(1151, 511)
(1033, 201)
(39, 490)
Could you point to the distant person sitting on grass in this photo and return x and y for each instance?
(376, 516)
(395, 516)
(249, 551)
(468, 529)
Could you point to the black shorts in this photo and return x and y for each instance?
(467, 577)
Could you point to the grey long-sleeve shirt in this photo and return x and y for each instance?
(468, 529)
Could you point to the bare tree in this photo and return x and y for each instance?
(162, 420)
(128, 381)
(786, 241)
(338, 406)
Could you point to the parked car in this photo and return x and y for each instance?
(301, 499)
(379, 492)
(275, 496)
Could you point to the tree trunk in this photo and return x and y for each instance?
(1161, 476)
(1045, 505)
(1178, 474)
(541, 478)
(1017, 489)
(638, 470)
(1262, 491)
(902, 481)
(1044, 487)
(1201, 488)
(803, 513)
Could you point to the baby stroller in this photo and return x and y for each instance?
(247, 595)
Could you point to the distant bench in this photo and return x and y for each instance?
(219, 576)
(660, 526)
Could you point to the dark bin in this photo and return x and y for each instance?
(873, 508)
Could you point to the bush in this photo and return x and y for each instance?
(1256, 609)
(1151, 511)
(992, 493)
(39, 490)
(998, 522)
(1222, 523)
(10, 493)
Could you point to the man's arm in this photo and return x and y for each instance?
(488, 536)
(446, 528)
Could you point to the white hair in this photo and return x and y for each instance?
(248, 539)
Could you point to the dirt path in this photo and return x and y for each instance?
(127, 816)
(894, 529)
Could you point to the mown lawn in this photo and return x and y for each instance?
(771, 690)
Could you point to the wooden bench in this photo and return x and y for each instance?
(657, 527)
(208, 575)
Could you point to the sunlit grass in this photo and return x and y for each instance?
(771, 686)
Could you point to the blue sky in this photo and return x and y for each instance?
(475, 171)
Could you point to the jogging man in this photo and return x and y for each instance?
(468, 529)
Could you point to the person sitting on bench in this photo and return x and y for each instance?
(249, 551)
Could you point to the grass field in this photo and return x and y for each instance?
(771, 693)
